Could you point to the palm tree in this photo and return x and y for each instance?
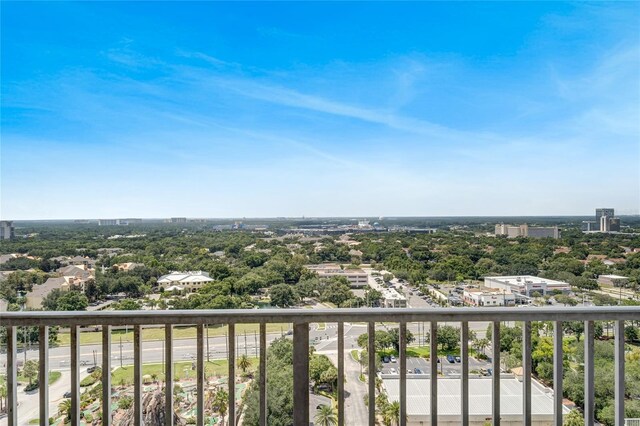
(220, 402)
(326, 416)
(64, 409)
(392, 412)
(244, 363)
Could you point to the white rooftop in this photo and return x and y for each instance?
(450, 402)
(522, 279)
(613, 277)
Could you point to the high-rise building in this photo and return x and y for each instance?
(107, 222)
(7, 231)
(514, 231)
(608, 212)
(178, 220)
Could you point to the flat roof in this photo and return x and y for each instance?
(614, 277)
(522, 279)
(450, 401)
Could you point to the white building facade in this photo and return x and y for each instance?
(526, 284)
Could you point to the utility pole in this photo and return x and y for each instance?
(255, 343)
(207, 327)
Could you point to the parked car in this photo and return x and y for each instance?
(91, 369)
(392, 358)
(417, 371)
(489, 371)
(458, 359)
(451, 359)
(385, 359)
(67, 395)
(393, 371)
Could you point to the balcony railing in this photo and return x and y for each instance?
(301, 318)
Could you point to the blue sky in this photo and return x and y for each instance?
(319, 109)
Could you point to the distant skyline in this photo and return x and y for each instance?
(152, 110)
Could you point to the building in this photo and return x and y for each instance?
(356, 277)
(392, 299)
(107, 222)
(606, 220)
(488, 297)
(480, 400)
(514, 231)
(190, 281)
(38, 293)
(526, 284)
(7, 230)
(128, 266)
(613, 280)
(178, 220)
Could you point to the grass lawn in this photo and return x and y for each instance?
(181, 370)
(148, 334)
(355, 354)
(321, 326)
(54, 376)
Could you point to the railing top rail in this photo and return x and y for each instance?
(224, 316)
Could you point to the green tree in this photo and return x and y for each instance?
(244, 363)
(64, 409)
(574, 418)
(30, 370)
(282, 295)
(72, 301)
(326, 416)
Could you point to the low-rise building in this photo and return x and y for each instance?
(392, 299)
(513, 231)
(526, 284)
(128, 266)
(480, 390)
(190, 280)
(613, 280)
(38, 292)
(356, 277)
(488, 297)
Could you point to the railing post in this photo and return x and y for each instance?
(137, 375)
(340, 374)
(232, 374)
(168, 374)
(619, 372)
(301, 374)
(464, 355)
(75, 375)
(526, 373)
(495, 390)
(200, 371)
(558, 367)
(433, 354)
(402, 346)
(371, 353)
(263, 374)
(106, 375)
(589, 374)
(43, 374)
(12, 376)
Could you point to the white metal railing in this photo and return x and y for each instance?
(301, 318)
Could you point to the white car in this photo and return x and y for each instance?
(393, 358)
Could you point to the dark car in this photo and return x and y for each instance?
(489, 371)
(91, 369)
(386, 359)
(417, 371)
(451, 359)
(67, 395)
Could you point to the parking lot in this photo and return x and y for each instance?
(423, 366)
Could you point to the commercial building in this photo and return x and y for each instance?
(514, 231)
(613, 280)
(488, 297)
(392, 299)
(190, 280)
(178, 220)
(356, 277)
(107, 222)
(418, 397)
(7, 231)
(606, 220)
(526, 284)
